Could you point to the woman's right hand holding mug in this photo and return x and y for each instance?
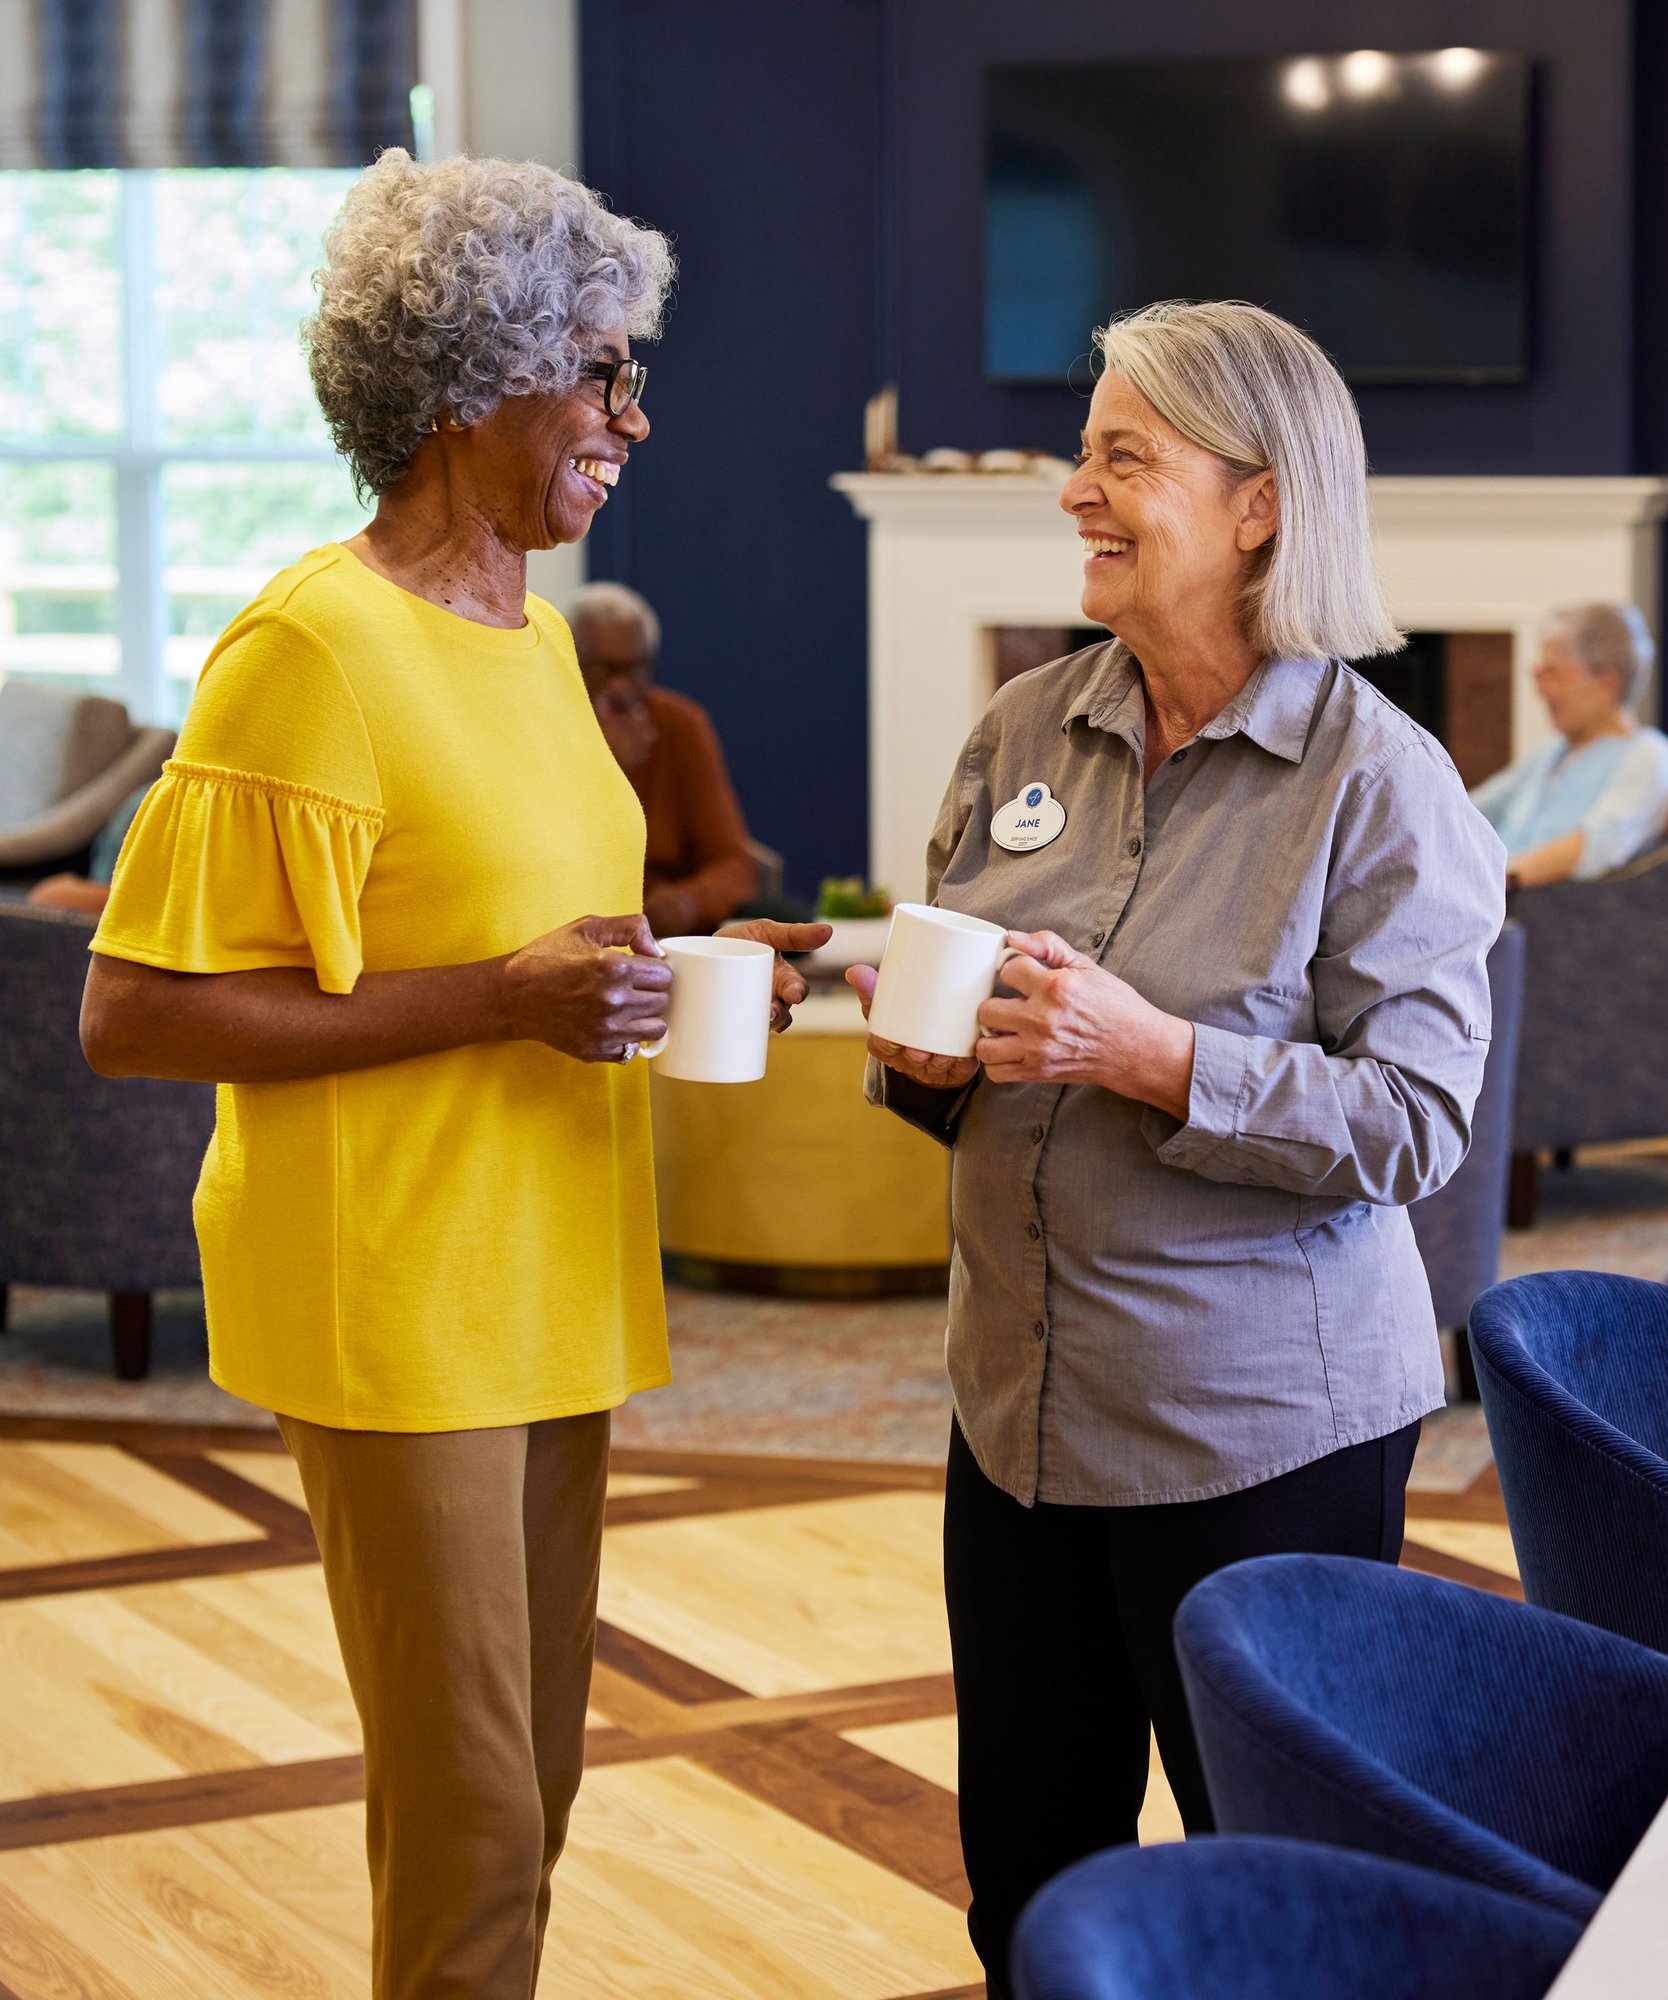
(935, 1072)
(592, 990)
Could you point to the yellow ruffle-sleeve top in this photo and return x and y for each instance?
(367, 783)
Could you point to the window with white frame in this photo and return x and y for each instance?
(161, 454)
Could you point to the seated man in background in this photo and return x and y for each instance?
(1596, 795)
(700, 870)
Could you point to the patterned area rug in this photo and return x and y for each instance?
(836, 1380)
(833, 1380)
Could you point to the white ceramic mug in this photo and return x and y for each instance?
(718, 1012)
(938, 970)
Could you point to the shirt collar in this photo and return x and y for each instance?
(1274, 708)
(1111, 697)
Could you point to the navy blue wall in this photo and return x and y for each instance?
(819, 162)
(1650, 73)
(751, 133)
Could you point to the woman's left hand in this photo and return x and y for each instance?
(1075, 1022)
(788, 987)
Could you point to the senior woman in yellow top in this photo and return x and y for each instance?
(1188, 1323)
(362, 899)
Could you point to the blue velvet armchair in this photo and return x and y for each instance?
(1279, 1920)
(1397, 1714)
(96, 1177)
(1573, 1367)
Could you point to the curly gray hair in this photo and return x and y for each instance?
(449, 286)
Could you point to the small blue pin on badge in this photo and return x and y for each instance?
(1028, 822)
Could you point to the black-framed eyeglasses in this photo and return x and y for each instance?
(625, 381)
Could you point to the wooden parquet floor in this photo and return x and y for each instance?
(769, 1810)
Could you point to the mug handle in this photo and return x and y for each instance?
(653, 1049)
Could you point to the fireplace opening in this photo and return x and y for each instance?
(1016, 649)
(1458, 685)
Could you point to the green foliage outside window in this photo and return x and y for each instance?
(60, 306)
(208, 350)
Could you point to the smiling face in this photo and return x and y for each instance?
(1169, 531)
(546, 463)
(1580, 702)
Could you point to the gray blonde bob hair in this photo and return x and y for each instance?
(446, 287)
(1608, 639)
(1250, 387)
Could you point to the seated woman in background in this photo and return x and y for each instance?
(1597, 794)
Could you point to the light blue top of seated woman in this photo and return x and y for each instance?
(1612, 791)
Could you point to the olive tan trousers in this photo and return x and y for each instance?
(462, 1572)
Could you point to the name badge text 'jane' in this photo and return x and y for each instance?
(1032, 820)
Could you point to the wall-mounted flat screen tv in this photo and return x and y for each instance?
(1381, 201)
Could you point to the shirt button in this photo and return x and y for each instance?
(1033, 1231)
(1038, 1134)
(1039, 1328)
(1180, 754)
(1098, 939)
(1134, 846)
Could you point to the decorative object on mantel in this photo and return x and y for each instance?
(1004, 464)
(881, 453)
(997, 464)
(880, 430)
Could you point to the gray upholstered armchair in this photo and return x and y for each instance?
(771, 871)
(96, 1177)
(1594, 1064)
(67, 761)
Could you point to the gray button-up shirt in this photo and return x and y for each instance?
(1142, 1310)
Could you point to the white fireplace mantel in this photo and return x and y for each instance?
(951, 557)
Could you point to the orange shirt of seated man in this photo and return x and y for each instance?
(700, 870)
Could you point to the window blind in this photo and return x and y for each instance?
(204, 83)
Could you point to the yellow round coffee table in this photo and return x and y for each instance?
(796, 1183)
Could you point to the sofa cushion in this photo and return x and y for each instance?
(52, 742)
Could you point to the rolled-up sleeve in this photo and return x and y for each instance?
(935, 1112)
(1378, 1109)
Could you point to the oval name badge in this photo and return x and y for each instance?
(1032, 820)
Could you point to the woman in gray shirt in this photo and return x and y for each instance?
(1188, 1323)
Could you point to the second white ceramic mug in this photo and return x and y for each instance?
(938, 970)
(718, 1012)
